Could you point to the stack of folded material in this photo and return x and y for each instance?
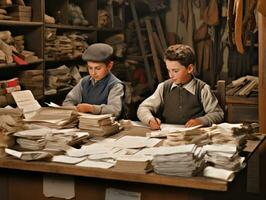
(32, 139)
(141, 164)
(10, 122)
(28, 56)
(33, 80)
(227, 133)
(117, 41)
(3, 14)
(58, 78)
(187, 161)
(104, 19)
(61, 117)
(75, 16)
(8, 86)
(5, 47)
(79, 44)
(19, 42)
(98, 125)
(67, 46)
(28, 155)
(244, 86)
(223, 160)
(20, 13)
(196, 136)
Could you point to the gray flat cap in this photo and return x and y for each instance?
(98, 52)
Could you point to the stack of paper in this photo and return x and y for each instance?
(187, 160)
(28, 155)
(133, 164)
(224, 156)
(221, 174)
(98, 125)
(196, 136)
(32, 139)
(225, 134)
(55, 117)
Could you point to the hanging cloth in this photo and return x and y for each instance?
(238, 8)
(261, 6)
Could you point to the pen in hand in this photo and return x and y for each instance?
(155, 124)
(158, 123)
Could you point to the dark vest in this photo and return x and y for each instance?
(98, 93)
(180, 105)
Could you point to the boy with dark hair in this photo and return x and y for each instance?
(100, 92)
(182, 99)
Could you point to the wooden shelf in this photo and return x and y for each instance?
(110, 29)
(241, 100)
(59, 92)
(138, 57)
(19, 23)
(14, 65)
(63, 60)
(70, 27)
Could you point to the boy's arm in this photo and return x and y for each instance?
(214, 113)
(114, 102)
(74, 97)
(150, 105)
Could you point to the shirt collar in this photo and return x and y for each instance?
(190, 86)
(93, 81)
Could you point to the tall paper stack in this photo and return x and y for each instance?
(98, 125)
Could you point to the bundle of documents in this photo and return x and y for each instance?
(224, 156)
(221, 174)
(55, 117)
(196, 136)
(225, 134)
(28, 155)
(32, 139)
(187, 161)
(98, 125)
(133, 164)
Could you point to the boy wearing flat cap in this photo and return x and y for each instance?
(182, 99)
(100, 92)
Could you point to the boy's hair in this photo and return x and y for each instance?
(184, 54)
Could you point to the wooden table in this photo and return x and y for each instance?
(24, 180)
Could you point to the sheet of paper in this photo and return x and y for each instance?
(128, 142)
(96, 164)
(67, 159)
(221, 174)
(117, 194)
(176, 127)
(26, 101)
(59, 186)
(190, 148)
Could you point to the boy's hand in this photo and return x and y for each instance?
(193, 122)
(155, 124)
(84, 107)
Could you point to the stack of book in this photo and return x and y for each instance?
(20, 13)
(98, 125)
(244, 86)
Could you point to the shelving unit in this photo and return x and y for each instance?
(34, 33)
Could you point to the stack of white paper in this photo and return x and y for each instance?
(224, 156)
(98, 125)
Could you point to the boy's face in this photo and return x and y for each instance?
(98, 70)
(178, 73)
